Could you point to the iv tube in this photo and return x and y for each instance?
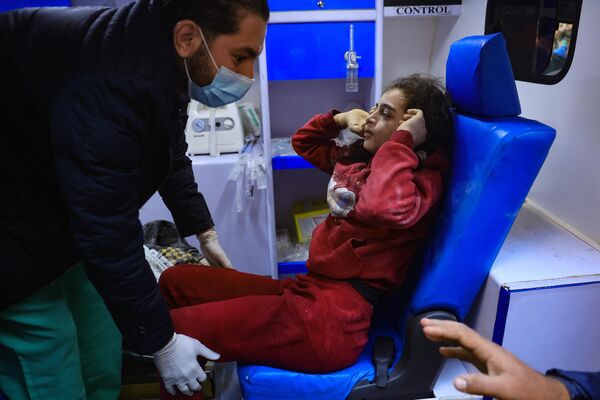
(351, 65)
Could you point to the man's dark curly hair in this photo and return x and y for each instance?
(427, 93)
(217, 17)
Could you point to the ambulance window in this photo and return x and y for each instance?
(540, 35)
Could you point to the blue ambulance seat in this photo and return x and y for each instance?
(495, 158)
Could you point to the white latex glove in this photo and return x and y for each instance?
(212, 250)
(178, 366)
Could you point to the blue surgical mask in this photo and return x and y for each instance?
(226, 87)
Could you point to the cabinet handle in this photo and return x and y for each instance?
(320, 4)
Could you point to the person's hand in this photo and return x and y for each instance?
(355, 120)
(212, 250)
(178, 366)
(503, 376)
(414, 122)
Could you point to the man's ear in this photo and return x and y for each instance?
(186, 38)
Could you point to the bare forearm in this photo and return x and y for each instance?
(553, 389)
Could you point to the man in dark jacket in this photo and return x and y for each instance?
(92, 103)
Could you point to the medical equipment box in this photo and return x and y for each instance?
(227, 135)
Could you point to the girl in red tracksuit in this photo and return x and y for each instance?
(381, 195)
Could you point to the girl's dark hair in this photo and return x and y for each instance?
(426, 92)
(217, 17)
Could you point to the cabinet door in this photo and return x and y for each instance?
(296, 5)
(316, 50)
(6, 5)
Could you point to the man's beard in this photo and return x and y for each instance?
(201, 67)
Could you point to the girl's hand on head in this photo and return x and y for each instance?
(355, 120)
(414, 122)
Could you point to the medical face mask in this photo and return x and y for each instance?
(226, 87)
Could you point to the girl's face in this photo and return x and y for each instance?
(384, 118)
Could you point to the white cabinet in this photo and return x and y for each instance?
(541, 298)
(243, 236)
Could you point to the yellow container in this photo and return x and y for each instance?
(307, 215)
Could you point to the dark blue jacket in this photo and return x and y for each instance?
(581, 385)
(91, 128)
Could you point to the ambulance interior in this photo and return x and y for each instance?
(517, 254)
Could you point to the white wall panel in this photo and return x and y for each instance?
(569, 183)
(406, 46)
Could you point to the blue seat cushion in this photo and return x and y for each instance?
(267, 383)
(260, 382)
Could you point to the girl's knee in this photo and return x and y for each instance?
(167, 283)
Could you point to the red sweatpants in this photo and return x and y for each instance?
(308, 324)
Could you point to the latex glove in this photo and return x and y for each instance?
(212, 250)
(414, 122)
(178, 366)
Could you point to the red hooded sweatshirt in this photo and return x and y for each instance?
(381, 205)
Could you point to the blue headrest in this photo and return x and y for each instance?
(479, 77)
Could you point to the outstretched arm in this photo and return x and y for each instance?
(503, 375)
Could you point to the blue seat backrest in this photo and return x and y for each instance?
(495, 158)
